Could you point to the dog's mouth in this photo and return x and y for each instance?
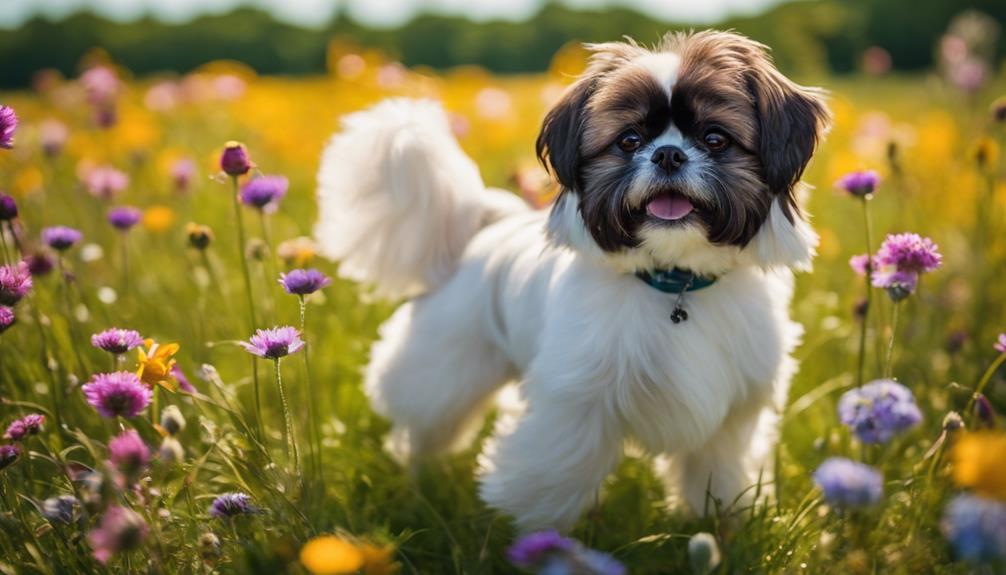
(669, 207)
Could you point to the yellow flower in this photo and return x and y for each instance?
(156, 363)
(297, 252)
(158, 218)
(331, 555)
(378, 560)
(978, 463)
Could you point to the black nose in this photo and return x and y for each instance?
(670, 158)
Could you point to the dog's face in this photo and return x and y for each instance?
(684, 154)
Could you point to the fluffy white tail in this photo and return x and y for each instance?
(399, 200)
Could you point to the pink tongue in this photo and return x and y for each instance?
(669, 207)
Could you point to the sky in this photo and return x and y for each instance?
(384, 13)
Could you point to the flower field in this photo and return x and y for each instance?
(180, 374)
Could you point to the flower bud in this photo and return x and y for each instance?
(209, 547)
(953, 422)
(200, 236)
(703, 553)
(985, 414)
(172, 420)
(171, 451)
(999, 110)
(8, 208)
(235, 161)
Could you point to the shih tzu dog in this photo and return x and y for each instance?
(648, 305)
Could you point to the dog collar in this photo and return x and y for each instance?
(676, 281)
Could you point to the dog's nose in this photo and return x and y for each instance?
(670, 158)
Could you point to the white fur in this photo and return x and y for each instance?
(532, 298)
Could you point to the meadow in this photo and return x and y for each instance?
(84, 146)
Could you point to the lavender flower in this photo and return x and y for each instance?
(8, 208)
(26, 426)
(1000, 344)
(533, 547)
(61, 238)
(60, 509)
(7, 318)
(183, 382)
(976, 528)
(128, 453)
(274, 343)
(53, 135)
(15, 283)
(39, 263)
(121, 529)
(230, 505)
(859, 184)
(8, 455)
(900, 261)
(117, 394)
(878, 410)
(846, 483)
(549, 552)
(8, 124)
(117, 341)
(124, 217)
(105, 182)
(182, 173)
(264, 193)
(234, 161)
(304, 282)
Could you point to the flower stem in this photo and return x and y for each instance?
(250, 299)
(270, 263)
(985, 380)
(890, 345)
(3, 245)
(312, 409)
(288, 437)
(125, 266)
(70, 320)
(869, 295)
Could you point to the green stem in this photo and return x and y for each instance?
(249, 298)
(3, 245)
(125, 265)
(70, 320)
(890, 345)
(312, 398)
(270, 263)
(869, 295)
(985, 380)
(288, 436)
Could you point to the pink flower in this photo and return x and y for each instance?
(274, 343)
(121, 529)
(26, 426)
(105, 182)
(860, 264)
(128, 453)
(1000, 344)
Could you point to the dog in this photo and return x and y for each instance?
(648, 305)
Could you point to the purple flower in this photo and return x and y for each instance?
(8, 455)
(101, 84)
(1000, 344)
(8, 123)
(105, 182)
(15, 283)
(53, 135)
(117, 394)
(183, 382)
(900, 261)
(230, 505)
(274, 343)
(998, 109)
(985, 414)
(846, 483)
(234, 161)
(533, 547)
(859, 184)
(878, 410)
(860, 264)
(128, 453)
(550, 552)
(26, 426)
(7, 318)
(124, 217)
(121, 529)
(117, 341)
(264, 192)
(8, 208)
(61, 237)
(976, 528)
(39, 263)
(304, 282)
(61, 509)
(182, 173)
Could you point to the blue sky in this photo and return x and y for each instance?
(374, 12)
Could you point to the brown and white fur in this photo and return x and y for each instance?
(685, 155)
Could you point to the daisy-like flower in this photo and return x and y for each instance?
(117, 394)
(8, 208)
(128, 453)
(879, 410)
(976, 528)
(15, 283)
(105, 182)
(8, 124)
(859, 184)
(7, 318)
(846, 483)
(274, 343)
(156, 363)
(264, 193)
(230, 505)
(304, 282)
(121, 529)
(117, 341)
(26, 426)
(61, 238)
(8, 455)
(900, 261)
(1000, 344)
(978, 463)
(234, 160)
(124, 217)
(549, 552)
(327, 554)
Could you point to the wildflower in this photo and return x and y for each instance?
(378, 560)
(531, 548)
(976, 528)
(264, 193)
(846, 483)
(183, 382)
(999, 109)
(105, 182)
(304, 282)
(156, 363)
(200, 236)
(172, 420)
(7, 318)
(39, 263)
(978, 459)
(8, 455)
(549, 552)
(182, 173)
(234, 160)
(61, 238)
(703, 553)
(117, 341)
(8, 208)
(121, 529)
(230, 505)
(117, 394)
(125, 217)
(861, 264)
(15, 283)
(129, 453)
(878, 410)
(953, 422)
(53, 135)
(900, 261)
(158, 218)
(1000, 344)
(8, 124)
(101, 84)
(330, 555)
(859, 184)
(171, 451)
(274, 343)
(61, 509)
(985, 414)
(26, 426)
(298, 251)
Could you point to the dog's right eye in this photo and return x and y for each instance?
(629, 142)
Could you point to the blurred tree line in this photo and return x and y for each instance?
(807, 37)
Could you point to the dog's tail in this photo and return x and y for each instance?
(399, 200)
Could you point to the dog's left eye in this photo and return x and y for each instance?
(716, 140)
(629, 142)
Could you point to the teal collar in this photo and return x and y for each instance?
(675, 281)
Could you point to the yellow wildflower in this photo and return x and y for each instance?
(378, 560)
(978, 463)
(156, 363)
(331, 555)
(297, 252)
(158, 218)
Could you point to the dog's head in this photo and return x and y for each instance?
(686, 155)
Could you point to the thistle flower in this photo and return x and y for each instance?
(26, 426)
(200, 236)
(274, 343)
(234, 160)
(230, 505)
(15, 283)
(117, 394)
(183, 172)
(39, 263)
(976, 528)
(8, 208)
(61, 508)
(846, 483)
(330, 554)
(156, 363)
(264, 193)
(117, 341)
(1000, 344)
(128, 453)
(121, 529)
(861, 264)
(878, 410)
(8, 124)
(125, 217)
(8, 455)
(7, 318)
(61, 238)
(105, 182)
(304, 282)
(978, 463)
(53, 135)
(900, 261)
(859, 184)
